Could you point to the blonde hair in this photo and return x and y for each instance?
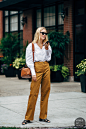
(37, 35)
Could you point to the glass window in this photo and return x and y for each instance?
(13, 12)
(6, 13)
(60, 20)
(14, 23)
(38, 14)
(80, 8)
(6, 24)
(49, 16)
(21, 27)
(49, 29)
(79, 28)
(60, 28)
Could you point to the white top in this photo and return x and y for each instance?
(40, 55)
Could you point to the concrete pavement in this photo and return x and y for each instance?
(66, 103)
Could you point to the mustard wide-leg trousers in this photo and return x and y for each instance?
(43, 77)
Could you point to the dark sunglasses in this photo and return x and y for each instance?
(44, 33)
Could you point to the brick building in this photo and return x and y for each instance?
(48, 13)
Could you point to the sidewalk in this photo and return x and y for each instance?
(66, 103)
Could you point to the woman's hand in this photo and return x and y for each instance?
(34, 78)
(46, 45)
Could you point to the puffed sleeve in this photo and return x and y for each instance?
(29, 59)
(48, 53)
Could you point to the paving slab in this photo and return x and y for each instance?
(66, 104)
(63, 109)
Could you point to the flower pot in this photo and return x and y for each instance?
(19, 74)
(10, 72)
(56, 76)
(83, 83)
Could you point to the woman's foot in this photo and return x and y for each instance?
(44, 120)
(25, 122)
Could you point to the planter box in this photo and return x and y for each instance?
(10, 72)
(19, 74)
(56, 76)
(83, 83)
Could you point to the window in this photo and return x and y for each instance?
(6, 13)
(80, 7)
(60, 20)
(14, 23)
(13, 12)
(38, 14)
(6, 24)
(49, 16)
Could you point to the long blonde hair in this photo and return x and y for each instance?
(37, 35)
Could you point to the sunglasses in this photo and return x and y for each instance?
(44, 33)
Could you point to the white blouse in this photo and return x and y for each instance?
(40, 55)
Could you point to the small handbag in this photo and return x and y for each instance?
(26, 72)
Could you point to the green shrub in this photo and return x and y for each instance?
(81, 68)
(58, 42)
(19, 63)
(64, 70)
(9, 46)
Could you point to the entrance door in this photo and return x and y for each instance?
(80, 34)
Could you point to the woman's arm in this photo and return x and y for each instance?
(29, 59)
(48, 52)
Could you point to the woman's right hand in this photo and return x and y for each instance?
(34, 78)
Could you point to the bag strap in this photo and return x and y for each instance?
(33, 50)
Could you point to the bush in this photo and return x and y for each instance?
(58, 42)
(10, 47)
(81, 68)
(64, 70)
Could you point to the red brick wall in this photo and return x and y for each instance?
(68, 26)
(27, 29)
(1, 26)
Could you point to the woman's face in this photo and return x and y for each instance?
(43, 34)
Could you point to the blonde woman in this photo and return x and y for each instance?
(40, 75)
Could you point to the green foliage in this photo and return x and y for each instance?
(64, 70)
(58, 43)
(81, 68)
(19, 63)
(55, 67)
(9, 46)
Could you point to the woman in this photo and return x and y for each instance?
(40, 75)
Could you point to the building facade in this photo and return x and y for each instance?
(48, 13)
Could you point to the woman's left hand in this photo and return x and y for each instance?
(46, 45)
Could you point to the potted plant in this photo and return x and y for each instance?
(9, 46)
(81, 71)
(59, 73)
(18, 64)
(65, 72)
(4, 67)
(58, 42)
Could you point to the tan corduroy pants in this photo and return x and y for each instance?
(43, 77)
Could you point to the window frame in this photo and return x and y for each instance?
(9, 30)
(56, 16)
